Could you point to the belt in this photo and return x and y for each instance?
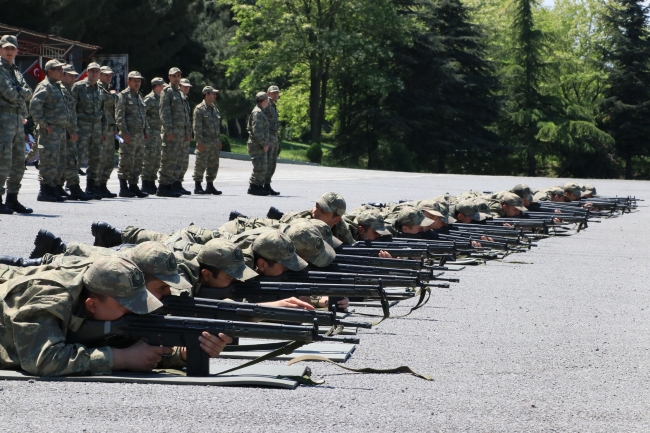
(89, 119)
(9, 110)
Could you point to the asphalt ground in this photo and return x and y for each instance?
(555, 339)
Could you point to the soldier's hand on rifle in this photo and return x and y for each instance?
(385, 255)
(343, 304)
(211, 344)
(289, 303)
(139, 357)
(200, 147)
(74, 138)
(170, 136)
(126, 138)
(485, 238)
(476, 244)
(507, 225)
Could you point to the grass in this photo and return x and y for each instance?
(293, 150)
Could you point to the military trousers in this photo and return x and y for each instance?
(171, 150)
(108, 160)
(12, 152)
(241, 224)
(151, 157)
(72, 162)
(259, 159)
(90, 144)
(136, 235)
(272, 158)
(207, 161)
(131, 156)
(63, 152)
(49, 149)
(183, 161)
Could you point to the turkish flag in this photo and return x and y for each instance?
(36, 71)
(83, 75)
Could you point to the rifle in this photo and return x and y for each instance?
(318, 277)
(382, 262)
(184, 331)
(425, 274)
(229, 310)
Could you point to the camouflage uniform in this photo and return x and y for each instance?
(192, 233)
(272, 154)
(89, 102)
(258, 137)
(64, 159)
(152, 146)
(107, 162)
(50, 109)
(131, 119)
(206, 132)
(14, 91)
(341, 231)
(184, 154)
(175, 119)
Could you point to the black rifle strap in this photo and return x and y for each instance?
(260, 346)
(424, 291)
(401, 369)
(385, 308)
(284, 350)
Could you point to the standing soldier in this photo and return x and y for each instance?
(274, 147)
(50, 112)
(184, 156)
(89, 101)
(152, 146)
(258, 144)
(131, 119)
(174, 134)
(208, 143)
(106, 162)
(68, 79)
(14, 92)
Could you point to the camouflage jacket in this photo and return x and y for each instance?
(152, 103)
(89, 101)
(14, 90)
(341, 231)
(206, 124)
(110, 101)
(258, 127)
(38, 309)
(173, 112)
(49, 106)
(272, 114)
(131, 113)
(72, 111)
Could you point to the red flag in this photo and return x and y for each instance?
(36, 71)
(83, 75)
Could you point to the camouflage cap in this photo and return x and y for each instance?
(260, 96)
(135, 74)
(273, 89)
(9, 41)
(573, 188)
(157, 81)
(226, 256)
(69, 69)
(209, 89)
(438, 208)
(120, 279)
(523, 191)
(93, 65)
(154, 259)
(185, 82)
(374, 221)
(332, 202)
(555, 190)
(512, 199)
(173, 71)
(106, 70)
(54, 63)
(589, 189)
(278, 247)
(310, 244)
(470, 209)
(325, 232)
(410, 216)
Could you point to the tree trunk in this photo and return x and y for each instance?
(628, 167)
(314, 105)
(323, 99)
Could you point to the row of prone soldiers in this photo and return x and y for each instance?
(136, 270)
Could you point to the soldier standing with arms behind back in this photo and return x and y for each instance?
(106, 163)
(152, 146)
(50, 112)
(184, 155)
(14, 92)
(89, 101)
(274, 146)
(207, 134)
(131, 118)
(174, 134)
(258, 144)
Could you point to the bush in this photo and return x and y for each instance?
(315, 153)
(225, 142)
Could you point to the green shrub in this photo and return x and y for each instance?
(314, 153)
(225, 142)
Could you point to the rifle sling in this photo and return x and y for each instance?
(401, 369)
(249, 347)
(284, 350)
(421, 302)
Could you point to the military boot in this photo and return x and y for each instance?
(198, 189)
(254, 189)
(45, 194)
(13, 204)
(166, 191)
(76, 193)
(106, 193)
(106, 235)
(46, 242)
(178, 187)
(268, 188)
(274, 213)
(133, 187)
(5, 210)
(234, 215)
(20, 261)
(149, 186)
(91, 189)
(210, 189)
(124, 190)
(61, 192)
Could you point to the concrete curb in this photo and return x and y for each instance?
(242, 157)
